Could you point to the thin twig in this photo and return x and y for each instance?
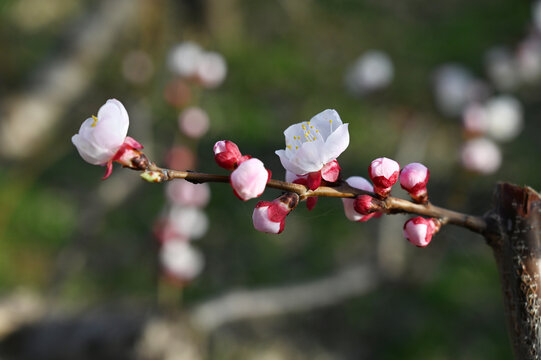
(389, 205)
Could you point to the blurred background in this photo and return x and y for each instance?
(87, 270)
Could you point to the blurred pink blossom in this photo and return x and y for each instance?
(180, 260)
(194, 122)
(185, 193)
(481, 155)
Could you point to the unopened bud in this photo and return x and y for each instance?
(366, 204)
(153, 176)
(419, 231)
(384, 174)
(269, 217)
(413, 179)
(227, 155)
(249, 179)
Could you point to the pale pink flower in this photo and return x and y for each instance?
(185, 58)
(180, 260)
(194, 122)
(413, 179)
(211, 69)
(102, 139)
(312, 144)
(419, 231)
(475, 119)
(505, 120)
(249, 179)
(372, 71)
(227, 155)
(185, 193)
(188, 222)
(352, 214)
(454, 88)
(269, 217)
(481, 155)
(384, 173)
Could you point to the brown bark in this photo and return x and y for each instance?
(514, 233)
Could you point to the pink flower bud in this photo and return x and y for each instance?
(269, 217)
(211, 69)
(194, 122)
(361, 183)
(330, 171)
(102, 139)
(413, 179)
(383, 173)
(227, 154)
(419, 230)
(249, 179)
(365, 205)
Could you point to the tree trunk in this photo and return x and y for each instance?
(514, 233)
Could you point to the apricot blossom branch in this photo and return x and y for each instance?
(312, 171)
(389, 205)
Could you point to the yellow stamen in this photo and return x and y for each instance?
(296, 148)
(95, 121)
(289, 147)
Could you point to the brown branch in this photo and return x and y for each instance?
(389, 205)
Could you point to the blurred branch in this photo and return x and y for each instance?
(31, 118)
(243, 305)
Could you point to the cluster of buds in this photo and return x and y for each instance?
(384, 173)
(249, 176)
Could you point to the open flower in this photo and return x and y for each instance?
(269, 216)
(102, 139)
(249, 179)
(312, 144)
(350, 210)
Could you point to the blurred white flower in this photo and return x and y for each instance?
(188, 221)
(185, 58)
(181, 260)
(505, 120)
(372, 71)
(454, 88)
(501, 68)
(194, 122)
(182, 192)
(475, 119)
(211, 69)
(529, 60)
(481, 155)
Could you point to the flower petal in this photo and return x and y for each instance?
(288, 165)
(326, 121)
(336, 143)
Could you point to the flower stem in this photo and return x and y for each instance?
(389, 205)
